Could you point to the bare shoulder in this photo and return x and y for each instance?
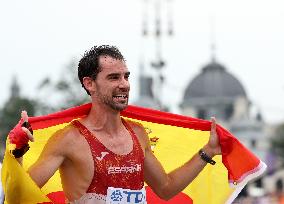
(56, 152)
(137, 127)
(65, 134)
(64, 139)
(139, 130)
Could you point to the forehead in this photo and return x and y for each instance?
(109, 64)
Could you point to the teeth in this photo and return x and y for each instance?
(120, 96)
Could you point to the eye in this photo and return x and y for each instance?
(114, 77)
(126, 77)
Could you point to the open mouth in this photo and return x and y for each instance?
(121, 97)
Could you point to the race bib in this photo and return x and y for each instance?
(125, 196)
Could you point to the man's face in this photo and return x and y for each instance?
(112, 85)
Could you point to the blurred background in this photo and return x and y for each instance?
(198, 58)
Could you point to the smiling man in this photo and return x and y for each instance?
(103, 152)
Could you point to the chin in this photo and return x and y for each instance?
(119, 107)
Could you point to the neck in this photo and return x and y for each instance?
(103, 118)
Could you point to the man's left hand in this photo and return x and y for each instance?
(213, 147)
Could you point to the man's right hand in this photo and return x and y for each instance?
(22, 132)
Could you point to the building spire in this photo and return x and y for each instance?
(213, 39)
(145, 31)
(15, 88)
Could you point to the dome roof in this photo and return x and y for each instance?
(214, 82)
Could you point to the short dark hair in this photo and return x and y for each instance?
(89, 64)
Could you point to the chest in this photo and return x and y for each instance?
(119, 144)
(91, 151)
(99, 162)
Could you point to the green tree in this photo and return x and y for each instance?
(10, 113)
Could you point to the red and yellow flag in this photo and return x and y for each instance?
(174, 140)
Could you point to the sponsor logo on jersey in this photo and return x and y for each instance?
(103, 154)
(125, 196)
(124, 169)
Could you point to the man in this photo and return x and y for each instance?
(103, 150)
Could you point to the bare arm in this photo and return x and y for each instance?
(49, 161)
(168, 185)
(51, 157)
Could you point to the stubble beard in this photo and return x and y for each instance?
(108, 100)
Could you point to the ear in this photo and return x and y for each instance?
(89, 84)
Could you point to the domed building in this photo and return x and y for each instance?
(215, 92)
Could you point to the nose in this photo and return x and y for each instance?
(124, 84)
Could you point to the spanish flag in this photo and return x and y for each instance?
(174, 140)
